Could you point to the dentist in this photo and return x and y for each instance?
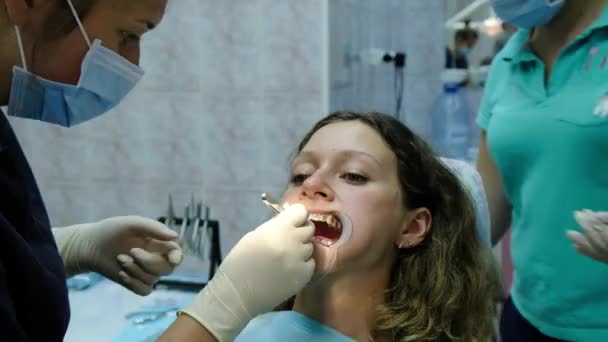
(68, 61)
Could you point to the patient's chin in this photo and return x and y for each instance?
(326, 259)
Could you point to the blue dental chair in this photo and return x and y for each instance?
(471, 179)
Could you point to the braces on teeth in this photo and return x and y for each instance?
(332, 222)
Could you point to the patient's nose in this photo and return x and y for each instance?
(315, 187)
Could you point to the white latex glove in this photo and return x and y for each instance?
(266, 267)
(594, 242)
(132, 251)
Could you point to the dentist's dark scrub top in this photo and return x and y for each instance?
(33, 294)
(552, 153)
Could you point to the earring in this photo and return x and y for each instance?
(405, 245)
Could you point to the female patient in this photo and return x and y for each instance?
(397, 254)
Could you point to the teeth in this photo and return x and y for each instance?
(331, 220)
(324, 241)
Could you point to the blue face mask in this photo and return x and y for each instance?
(105, 79)
(527, 13)
(464, 51)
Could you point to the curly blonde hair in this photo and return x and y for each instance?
(445, 288)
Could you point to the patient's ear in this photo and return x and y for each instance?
(416, 225)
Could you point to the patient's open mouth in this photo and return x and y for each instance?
(328, 228)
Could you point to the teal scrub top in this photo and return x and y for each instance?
(288, 326)
(552, 153)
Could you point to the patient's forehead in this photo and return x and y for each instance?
(350, 136)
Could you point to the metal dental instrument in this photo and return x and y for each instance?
(152, 311)
(190, 227)
(191, 222)
(182, 231)
(192, 204)
(170, 214)
(195, 241)
(272, 203)
(204, 233)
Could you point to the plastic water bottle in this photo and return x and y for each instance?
(451, 133)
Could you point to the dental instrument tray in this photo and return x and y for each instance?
(199, 237)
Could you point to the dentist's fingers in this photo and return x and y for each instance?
(294, 215)
(151, 262)
(134, 284)
(176, 256)
(133, 270)
(594, 238)
(602, 233)
(170, 249)
(310, 267)
(575, 237)
(148, 228)
(306, 232)
(581, 244)
(307, 251)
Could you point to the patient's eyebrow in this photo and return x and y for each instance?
(354, 153)
(311, 155)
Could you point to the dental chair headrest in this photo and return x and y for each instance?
(471, 179)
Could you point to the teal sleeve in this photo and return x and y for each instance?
(487, 101)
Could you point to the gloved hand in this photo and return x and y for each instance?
(594, 243)
(132, 251)
(266, 267)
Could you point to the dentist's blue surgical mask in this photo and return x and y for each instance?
(464, 51)
(527, 13)
(105, 79)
